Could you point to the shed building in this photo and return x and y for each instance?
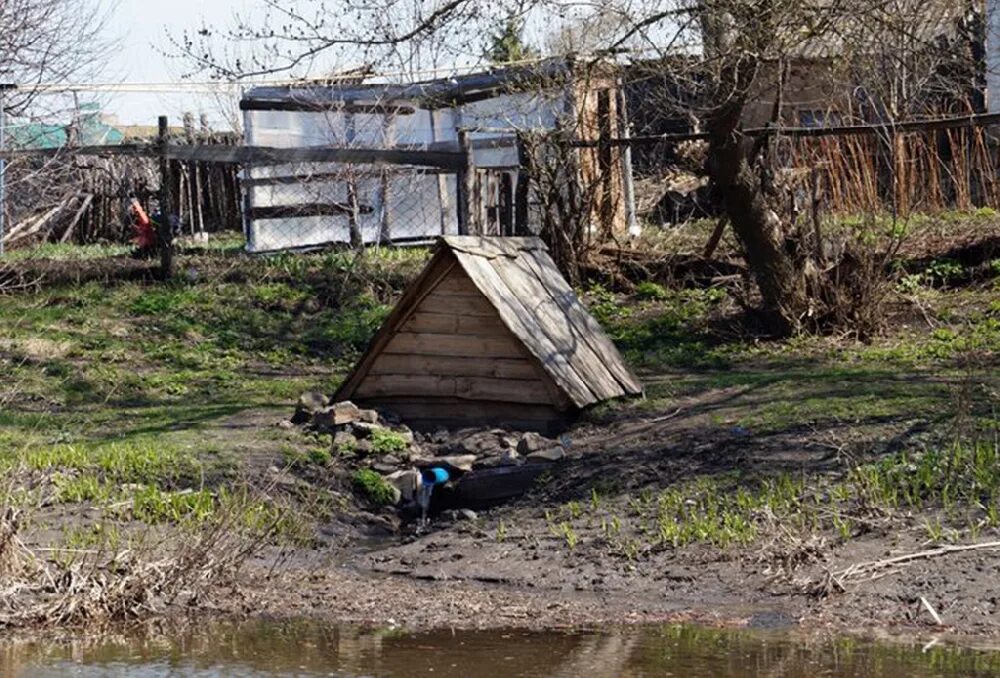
(489, 333)
(309, 204)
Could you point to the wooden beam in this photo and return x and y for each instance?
(261, 155)
(324, 106)
(529, 391)
(865, 129)
(320, 209)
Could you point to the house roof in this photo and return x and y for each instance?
(533, 300)
(435, 93)
(894, 24)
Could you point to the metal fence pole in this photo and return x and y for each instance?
(3, 162)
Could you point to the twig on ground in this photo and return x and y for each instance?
(931, 610)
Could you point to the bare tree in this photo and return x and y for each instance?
(44, 42)
(45, 47)
(726, 55)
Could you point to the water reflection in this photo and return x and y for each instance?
(303, 648)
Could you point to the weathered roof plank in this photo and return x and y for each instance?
(517, 317)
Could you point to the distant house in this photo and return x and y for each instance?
(90, 128)
(290, 206)
(832, 78)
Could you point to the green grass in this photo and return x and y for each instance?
(956, 489)
(132, 358)
(386, 441)
(373, 487)
(66, 252)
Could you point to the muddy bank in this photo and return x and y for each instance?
(587, 544)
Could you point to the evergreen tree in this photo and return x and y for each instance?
(507, 43)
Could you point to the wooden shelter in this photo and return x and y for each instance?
(489, 333)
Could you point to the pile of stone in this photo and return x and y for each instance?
(377, 439)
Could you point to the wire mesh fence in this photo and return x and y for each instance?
(308, 205)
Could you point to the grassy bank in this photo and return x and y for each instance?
(134, 411)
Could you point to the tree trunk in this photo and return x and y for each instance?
(757, 227)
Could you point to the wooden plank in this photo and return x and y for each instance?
(464, 388)
(457, 283)
(265, 155)
(550, 320)
(262, 155)
(455, 409)
(520, 320)
(314, 178)
(452, 323)
(465, 304)
(484, 348)
(500, 368)
(312, 106)
(540, 264)
(327, 209)
(437, 268)
(493, 247)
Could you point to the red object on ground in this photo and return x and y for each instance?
(145, 236)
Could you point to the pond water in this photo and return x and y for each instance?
(303, 648)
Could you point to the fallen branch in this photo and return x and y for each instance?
(88, 198)
(930, 609)
(860, 569)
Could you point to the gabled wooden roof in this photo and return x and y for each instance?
(519, 279)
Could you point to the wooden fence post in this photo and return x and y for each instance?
(522, 189)
(164, 231)
(468, 218)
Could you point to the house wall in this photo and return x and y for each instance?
(812, 95)
(454, 363)
(993, 56)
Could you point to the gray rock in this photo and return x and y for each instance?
(335, 415)
(416, 453)
(382, 467)
(363, 446)
(309, 403)
(407, 482)
(510, 458)
(313, 401)
(406, 433)
(533, 442)
(504, 458)
(368, 416)
(462, 462)
(466, 514)
(555, 453)
(363, 429)
(481, 443)
(508, 442)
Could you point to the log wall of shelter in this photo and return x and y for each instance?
(454, 362)
(84, 199)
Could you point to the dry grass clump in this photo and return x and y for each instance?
(45, 588)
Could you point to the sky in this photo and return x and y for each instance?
(143, 27)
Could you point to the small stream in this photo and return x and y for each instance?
(307, 648)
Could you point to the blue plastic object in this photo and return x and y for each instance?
(436, 476)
